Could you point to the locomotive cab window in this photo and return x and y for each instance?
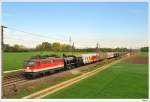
(29, 63)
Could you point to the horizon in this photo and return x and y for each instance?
(111, 25)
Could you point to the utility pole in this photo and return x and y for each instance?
(72, 48)
(97, 47)
(2, 49)
(70, 40)
(2, 37)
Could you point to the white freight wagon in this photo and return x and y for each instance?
(88, 58)
(110, 54)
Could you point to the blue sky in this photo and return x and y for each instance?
(110, 24)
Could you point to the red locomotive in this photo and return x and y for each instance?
(38, 66)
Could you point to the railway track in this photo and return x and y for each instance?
(13, 79)
(14, 82)
(16, 78)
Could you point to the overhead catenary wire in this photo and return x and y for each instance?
(35, 34)
(115, 43)
(50, 37)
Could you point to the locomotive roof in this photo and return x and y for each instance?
(46, 58)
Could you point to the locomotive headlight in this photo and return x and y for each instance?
(28, 68)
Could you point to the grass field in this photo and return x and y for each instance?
(14, 60)
(122, 80)
(143, 54)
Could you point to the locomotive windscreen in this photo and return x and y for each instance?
(29, 63)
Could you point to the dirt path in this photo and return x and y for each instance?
(70, 82)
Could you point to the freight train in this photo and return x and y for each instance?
(41, 65)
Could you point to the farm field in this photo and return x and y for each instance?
(143, 54)
(14, 60)
(127, 79)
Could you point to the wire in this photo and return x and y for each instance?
(35, 34)
(112, 42)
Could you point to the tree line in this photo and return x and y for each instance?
(56, 46)
(144, 49)
(44, 46)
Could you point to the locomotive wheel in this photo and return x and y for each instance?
(34, 75)
(47, 73)
(41, 74)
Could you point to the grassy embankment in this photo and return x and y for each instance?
(122, 80)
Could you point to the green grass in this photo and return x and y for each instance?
(143, 54)
(119, 81)
(14, 60)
